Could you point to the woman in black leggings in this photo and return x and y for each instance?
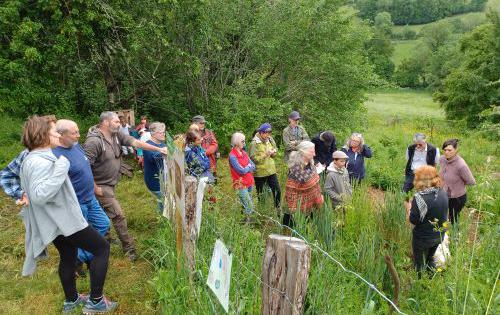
(54, 215)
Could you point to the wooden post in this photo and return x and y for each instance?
(189, 227)
(285, 270)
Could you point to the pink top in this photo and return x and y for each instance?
(455, 174)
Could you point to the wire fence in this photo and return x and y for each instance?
(314, 245)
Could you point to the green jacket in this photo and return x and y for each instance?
(291, 140)
(264, 164)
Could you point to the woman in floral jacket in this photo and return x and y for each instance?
(197, 162)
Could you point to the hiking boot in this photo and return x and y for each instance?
(70, 306)
(104, 306)
(79, 270)
(131, 254)
(113, 241)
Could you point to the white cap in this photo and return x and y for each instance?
(339, 155)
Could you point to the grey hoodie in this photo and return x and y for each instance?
(53, 209)
(337, 184)
(104, 156)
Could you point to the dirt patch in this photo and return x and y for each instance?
(376, 196)
(475, 219)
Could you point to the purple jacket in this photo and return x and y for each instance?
(455, 174)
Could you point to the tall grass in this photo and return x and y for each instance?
(372, 230)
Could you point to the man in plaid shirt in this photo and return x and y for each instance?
(10, 181)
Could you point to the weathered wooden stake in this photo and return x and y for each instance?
(189, 226)
(285, 270)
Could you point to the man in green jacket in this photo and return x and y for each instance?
(263, 149)
(293, 134)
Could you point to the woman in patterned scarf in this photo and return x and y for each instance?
(302, 186)
(429, 212)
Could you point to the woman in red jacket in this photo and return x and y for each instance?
(241, 168)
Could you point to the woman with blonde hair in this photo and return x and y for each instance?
(357, 151)
(429, 212)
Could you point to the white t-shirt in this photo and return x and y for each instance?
(420, 158)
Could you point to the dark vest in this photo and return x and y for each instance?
(431, 157)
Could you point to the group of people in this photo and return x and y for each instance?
(68, 196)
(67, 190)
(305, 159)
(440, 195)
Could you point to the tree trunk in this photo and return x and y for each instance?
(285, 270)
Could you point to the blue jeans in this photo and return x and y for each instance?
(97, 218)
(245, 196)
(159, 198)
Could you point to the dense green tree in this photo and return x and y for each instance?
(380, 47)
(436, 34)
(417, 11)
(473, 87)
(237, 62)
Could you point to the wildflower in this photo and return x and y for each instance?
(439, 269)
(445, 224)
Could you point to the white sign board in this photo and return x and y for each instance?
(219, 275)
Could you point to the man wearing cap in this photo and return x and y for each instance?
(208, 142)
(337, 184)
(262, 151)
(418, 154)
(325, 145)
(293, 134)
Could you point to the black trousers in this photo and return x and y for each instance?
(455, 205)
(408, 185)
(89, 240)
(272, 182)
(423, 254)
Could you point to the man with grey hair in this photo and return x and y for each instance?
(418, 154)
(103, 149)
(80, 175)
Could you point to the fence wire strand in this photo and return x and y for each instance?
(313, 244)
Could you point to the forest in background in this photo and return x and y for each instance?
(237, 62)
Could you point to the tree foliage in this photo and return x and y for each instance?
(237, 62)
(380, 47)
(472, 89)
(417, 11)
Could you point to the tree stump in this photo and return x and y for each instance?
(285, 270)
(189, 223)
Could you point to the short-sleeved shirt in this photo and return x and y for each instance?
(79, 172)
(153, 163)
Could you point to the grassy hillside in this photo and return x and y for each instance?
(403, 49)
(375, 226)
(471, 18)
